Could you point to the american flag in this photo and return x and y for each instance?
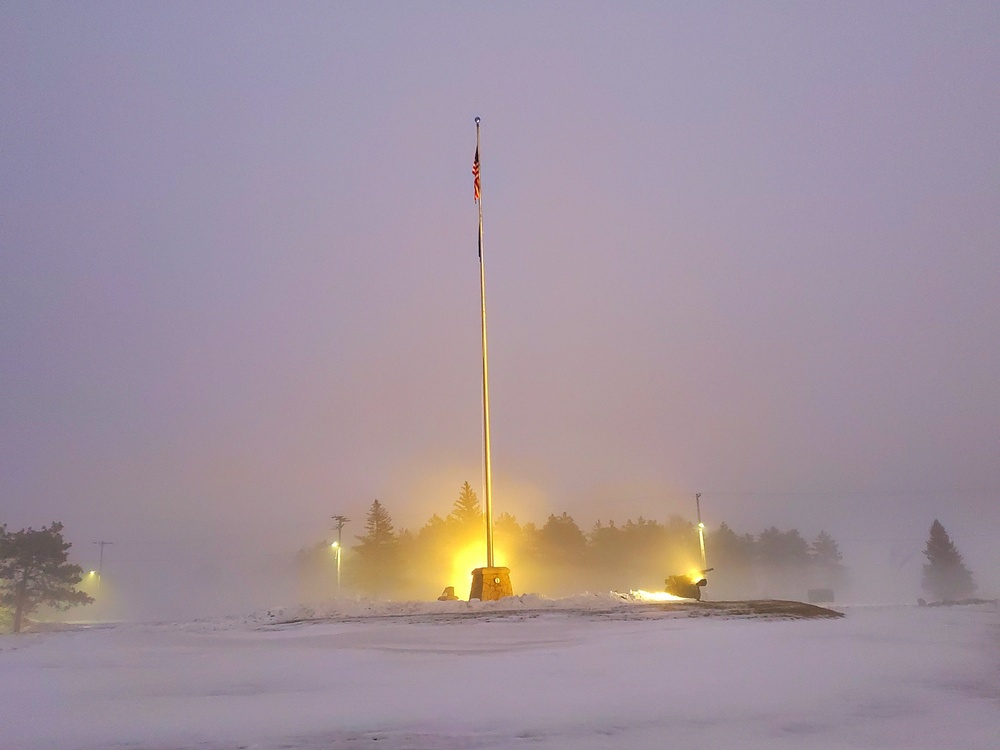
(475, 175)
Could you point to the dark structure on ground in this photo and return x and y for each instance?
(490, 584)
(687, 586)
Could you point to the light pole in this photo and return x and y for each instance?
(701, 531)
(336, 548)
(100, 564)
(341, 521)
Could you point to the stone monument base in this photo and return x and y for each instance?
(490, 584)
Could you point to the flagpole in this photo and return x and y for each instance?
(487, 469)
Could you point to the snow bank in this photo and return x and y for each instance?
(557, 678)
(368, 608)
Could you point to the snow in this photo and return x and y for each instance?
(594, 671)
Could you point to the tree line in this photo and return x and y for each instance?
(559, 558)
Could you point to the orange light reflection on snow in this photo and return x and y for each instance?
(657, 596)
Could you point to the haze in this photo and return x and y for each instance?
(744, 250)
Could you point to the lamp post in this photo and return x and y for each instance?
(701, 531)
(341, 521)
(336, 548)
(100, 564)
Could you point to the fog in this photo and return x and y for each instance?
(744, 251)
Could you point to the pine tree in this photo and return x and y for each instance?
(378, 526)
(783, 562)
(827, 560)
(561, 540)
(34, 571)
(510, 537)
(945, 574)
(730, 550)
(733, 556)
(605, 560)
(377, 565)
(782, 549)
(466, 513)
(507, 526)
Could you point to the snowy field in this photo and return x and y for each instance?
(586, 672)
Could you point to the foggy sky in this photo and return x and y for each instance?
(744, 250)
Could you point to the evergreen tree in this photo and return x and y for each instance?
(827, 560)
(432, 552)
(783, 563)
(406, 553)
(378, 526)
(782, 549)
(643, 554)
(34, 571)
(433, 534)
(561, 540)
(510, 537)
(466, 513)
(729, 550)
(377, 565)
(559, 554)
(733, 556)
(507, 528)
(945, 574)
(520, 542)
(605, 555)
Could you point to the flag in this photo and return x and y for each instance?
(475, 175)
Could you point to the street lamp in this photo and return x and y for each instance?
(701, 531)
(100, 576)
(338, 545)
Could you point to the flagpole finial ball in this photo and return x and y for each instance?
(477, 121)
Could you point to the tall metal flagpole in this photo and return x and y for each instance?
(487, 469)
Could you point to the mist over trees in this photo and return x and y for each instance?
(378, 569)
(35, 572)
(946, 578)
(827, 562)
(560, 558)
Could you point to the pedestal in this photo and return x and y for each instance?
(490, 584)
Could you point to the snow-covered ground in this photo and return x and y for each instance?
(587, 672)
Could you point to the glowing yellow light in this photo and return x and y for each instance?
(93, 573)
(334, 545)
(701, 525)
(657, 596)
(468, 558)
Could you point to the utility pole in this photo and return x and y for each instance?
(341, 522)
(100, 563)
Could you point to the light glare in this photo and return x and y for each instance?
(656, 596)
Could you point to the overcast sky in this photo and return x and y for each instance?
(748, 250)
